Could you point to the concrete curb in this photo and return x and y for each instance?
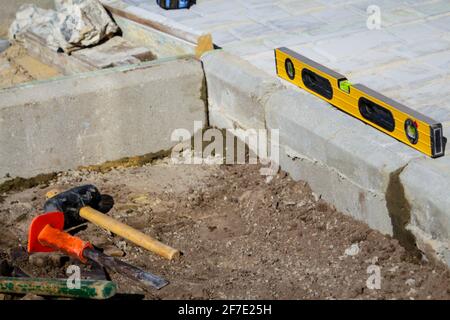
(359, 170)
(98, 116)
(429, 203)
(343, 161)
(236, 91)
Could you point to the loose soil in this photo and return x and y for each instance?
(242, 237)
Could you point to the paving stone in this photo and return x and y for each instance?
(253, 30)
(442, 23)
(267, 12)
(434, 8)
(264, 61)
(411, 75)
(394, 16)
(294, 23)
(382, 4)
(252, 4)
(213, 22)
(222, 37)
(346, 13)
(243, 48)
(300, 7)
(439, 60)
(223, 7)
(341, 48)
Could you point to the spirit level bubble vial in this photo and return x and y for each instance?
(400, 122)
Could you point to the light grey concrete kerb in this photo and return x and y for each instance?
(99, 116)
(427, 189)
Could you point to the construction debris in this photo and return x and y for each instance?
(114, 52)
(75, 24)
(352, 251)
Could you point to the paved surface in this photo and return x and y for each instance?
(408, 58)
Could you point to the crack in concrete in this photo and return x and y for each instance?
(204, 96)
(399, 211)
(295, 156)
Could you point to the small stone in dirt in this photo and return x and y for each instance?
(113, 251)
(393, 269)
(38, 259)
(122, 245)
(18, 254)
(410, 282)
(21, 217)
(57, 259)
(353, 250)
(412, 292)
(141, 199)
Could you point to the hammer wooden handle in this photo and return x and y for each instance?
(128, 233)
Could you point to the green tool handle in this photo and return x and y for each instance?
(89, 289)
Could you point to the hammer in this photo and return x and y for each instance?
(81, 203)
(45, 235)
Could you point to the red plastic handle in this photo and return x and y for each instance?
(64, 242)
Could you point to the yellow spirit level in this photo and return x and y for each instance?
(404, 124)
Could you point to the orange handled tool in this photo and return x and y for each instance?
(85, 203)
(63, 241)
(46, 235)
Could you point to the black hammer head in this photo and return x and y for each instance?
(71, 201)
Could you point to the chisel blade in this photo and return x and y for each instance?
(144, 278)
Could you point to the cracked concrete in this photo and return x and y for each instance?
(400, 212)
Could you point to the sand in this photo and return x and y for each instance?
(17, 67)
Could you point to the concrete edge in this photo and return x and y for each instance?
(429, 204)
(87, 74)
(105, 115)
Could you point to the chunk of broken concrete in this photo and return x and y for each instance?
(113, 251)
(75, 24)
(43, 22)
(114, 52)
(85, 22)
(353, 250)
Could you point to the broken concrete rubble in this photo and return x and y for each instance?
(114, 52)
(75, 24)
